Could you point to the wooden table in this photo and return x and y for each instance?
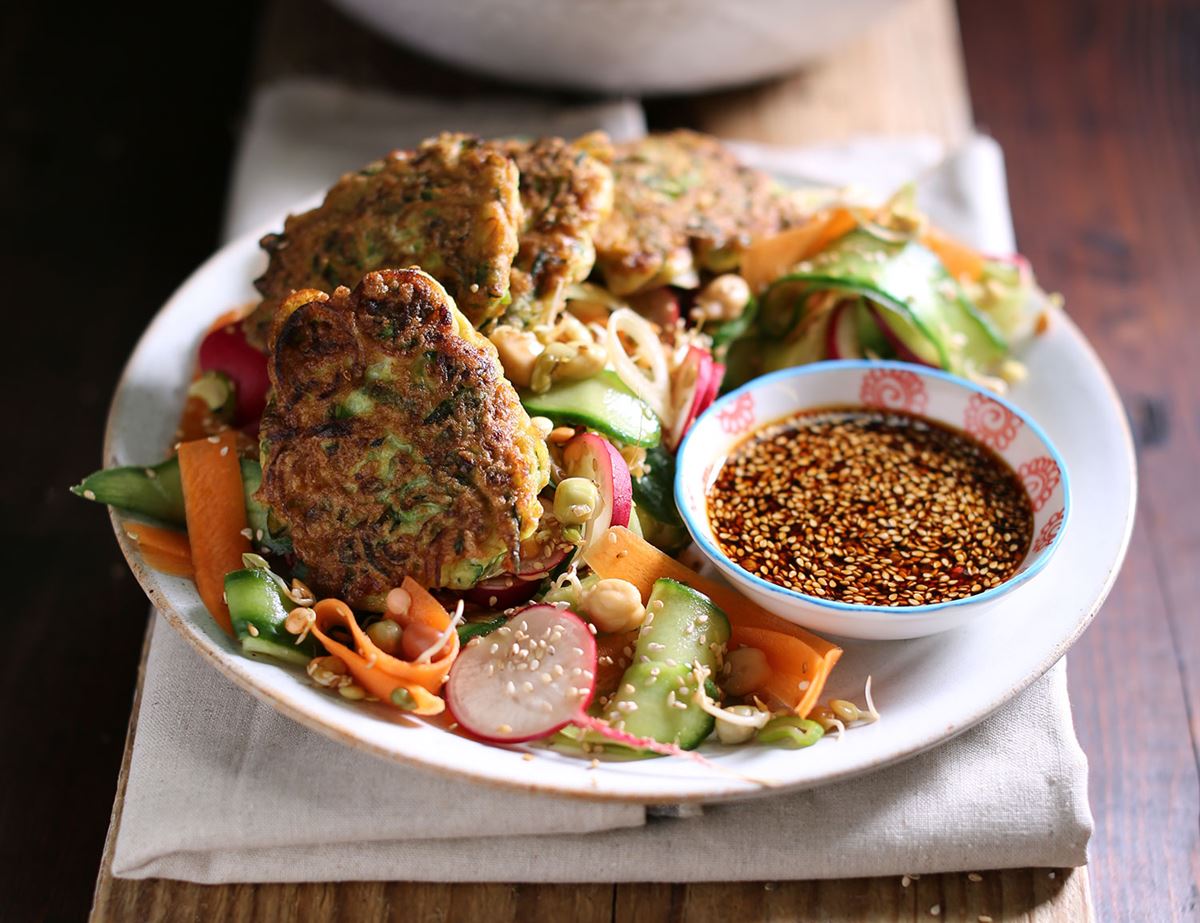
(1096, 107)
(905, 78)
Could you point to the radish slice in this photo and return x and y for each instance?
(226, 350)
(502, 592)
(652, 385)
(591, 456)
(841, 336)
(496, 692)
(507, 590)
(903, 353)
(714, 386)
(530, 679)
(695, 390)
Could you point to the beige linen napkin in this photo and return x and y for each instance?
(222, 788)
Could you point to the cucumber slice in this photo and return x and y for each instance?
(284, 652)
(683, 626)
(216, 389)
(649, 711)
(654, 492)
(602, 403)
(155, 491)
(258, 515)
(870, 338)
(926, 308)
(254, 599)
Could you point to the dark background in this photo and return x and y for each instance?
(118, 129)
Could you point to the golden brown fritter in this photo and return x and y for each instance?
(393, 446)
(566, 191)
(682, 202)
(451, 207)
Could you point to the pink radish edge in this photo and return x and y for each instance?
(903, 353)
(226, 350)
(592, 456)
(486, 692)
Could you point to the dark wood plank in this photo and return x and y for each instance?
(1100, 125)
(117, 130)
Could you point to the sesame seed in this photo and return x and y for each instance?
(935, 910)
(527, 757)
(974, 876)
(89, 495)
(872, 508)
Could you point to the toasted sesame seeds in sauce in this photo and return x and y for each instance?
(871, 507)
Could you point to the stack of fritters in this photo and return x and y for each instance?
(393, 445)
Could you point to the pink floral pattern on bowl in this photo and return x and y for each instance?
(1040, 476)
(738, 418)
(990, 422)
(893, 389)
(886, 385)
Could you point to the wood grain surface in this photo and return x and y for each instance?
(118, 131)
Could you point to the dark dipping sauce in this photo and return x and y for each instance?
(873, 507)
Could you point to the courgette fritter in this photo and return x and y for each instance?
(682, 202)
(566, 191)
(393, 445)
(452, 207)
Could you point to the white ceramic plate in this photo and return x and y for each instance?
(927, 690)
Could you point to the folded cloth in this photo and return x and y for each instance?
(223, 788)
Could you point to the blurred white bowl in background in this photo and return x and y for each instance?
(622, 46)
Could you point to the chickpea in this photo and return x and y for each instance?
(385, 635)
(398, 602)
(724, 298)
(613, 604)
(518, 351)
(748, 671)
(576, 501)
(730, 733)
(566, 361)
(330, 672)
(418, 638)
(588, 360)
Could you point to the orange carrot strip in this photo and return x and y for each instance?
(425, 609)
(611, 660)
(215, 509)
(796, 656)
(639, 562)
(772, 257)
(798, 672)
(429, 675)
(379, 673)
(163, 549)
(194, 422)
(961, 261)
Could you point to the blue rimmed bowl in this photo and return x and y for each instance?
(891, 386)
